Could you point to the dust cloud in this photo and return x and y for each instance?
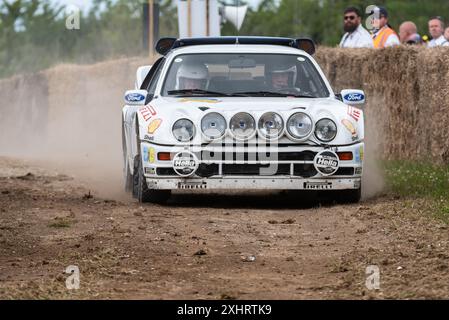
(70, 122)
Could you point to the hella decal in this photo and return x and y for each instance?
(326, 162)
(134, 97)
(185, 163)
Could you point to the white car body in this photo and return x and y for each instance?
(147, 132)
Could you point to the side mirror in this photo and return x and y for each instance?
(353, 97)
(136, 97)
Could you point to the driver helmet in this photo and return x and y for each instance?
(288, 70)
(192, 76)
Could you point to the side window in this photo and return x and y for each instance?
(149, 77)
(155, 78)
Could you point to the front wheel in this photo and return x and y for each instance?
(140, 187)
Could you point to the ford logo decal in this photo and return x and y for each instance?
(135, 97)
(354, 97)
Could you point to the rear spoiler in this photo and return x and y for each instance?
(164, 45)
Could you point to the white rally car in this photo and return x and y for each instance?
(240, 113)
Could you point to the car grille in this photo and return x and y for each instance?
(304, 170)
(257, 156)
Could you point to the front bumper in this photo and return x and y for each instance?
(239, 175)
(254, 183)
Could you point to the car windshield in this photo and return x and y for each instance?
(244, 75)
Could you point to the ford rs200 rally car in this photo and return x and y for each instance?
(240, 113)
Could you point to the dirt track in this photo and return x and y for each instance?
(201, 247)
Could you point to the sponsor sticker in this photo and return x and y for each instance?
(354, 97)
(149, 138)
(154, 125)
(185, 163)
(351, 128)
(200, 100)
(357, 156)
(152, 155)
(147, 112)
(354, 113)
(326, 162)
(145, 154)
(192, 185)
(318, 185)
(134, 97)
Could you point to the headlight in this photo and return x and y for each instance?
(213, 125)
(242, 126)
(326, 130)
(271, 125)
(183, 130)
(300, 125)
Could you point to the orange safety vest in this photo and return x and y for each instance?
(382, 36)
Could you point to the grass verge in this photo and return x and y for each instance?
(421, 179)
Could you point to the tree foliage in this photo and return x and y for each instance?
(33, 35)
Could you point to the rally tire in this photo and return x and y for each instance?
(127, 176)
(140, 187)
(135, 177)
(128, 179)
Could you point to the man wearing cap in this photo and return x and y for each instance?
(356, 36)
(383, 35)
(436, 30)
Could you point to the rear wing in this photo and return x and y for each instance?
(164, 45)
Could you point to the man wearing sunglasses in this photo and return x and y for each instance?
(356, 36)
(436, 30)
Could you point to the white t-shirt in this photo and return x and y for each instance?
(360, 38)
(440, 42)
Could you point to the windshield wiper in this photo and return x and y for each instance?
(190, 92)
(270, 94)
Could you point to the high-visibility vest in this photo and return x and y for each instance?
(382, 36)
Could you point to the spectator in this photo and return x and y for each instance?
(383, 36)
(356, 36)
(436, 30)
(446, 33)
(408, 33)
